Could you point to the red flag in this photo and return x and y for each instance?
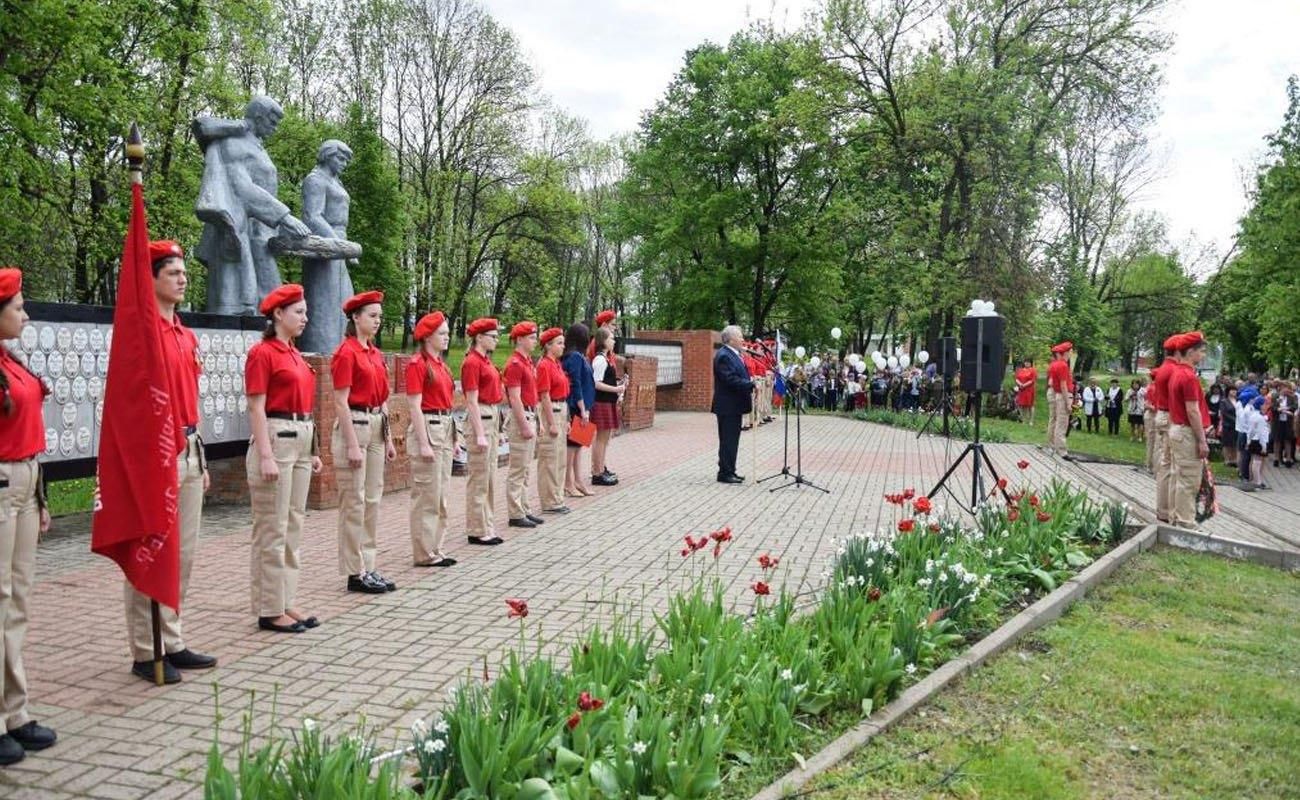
(135, 522)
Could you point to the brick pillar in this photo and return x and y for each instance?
(640, 398)
(324, 487)
(229, 482)
(696, 391)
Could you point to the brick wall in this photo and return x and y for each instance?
(696, 391)
(641, 397)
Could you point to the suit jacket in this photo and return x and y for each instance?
(732, 388)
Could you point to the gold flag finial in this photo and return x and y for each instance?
(135, 154)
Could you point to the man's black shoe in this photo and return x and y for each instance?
(188, 659)
(485, 540)
(364, 584)
(608, 473)
(534, 520)
(10, 751)
(144, 669)
(557, 510)
(522, 522)
(603, 480)
(730, 479)
(33, 737)
(388, 585)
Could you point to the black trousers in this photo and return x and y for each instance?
(728, 443)
(1094, 422)
(1112, 422)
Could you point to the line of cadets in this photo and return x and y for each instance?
(1176, 419)
(284, 452)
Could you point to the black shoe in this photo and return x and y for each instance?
(445, 561)
(310, 622)
(535, 520)
(33, 737)
(609, 473)
(1276, 463)
(522, 522)
(362, 583)
(268, 624)
(557, 510)
(188, 659)
(11, 752)
(485, 540)
(144, 669)
(730, 479)
(603, 480)
(388, 585)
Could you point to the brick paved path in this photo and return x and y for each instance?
(393, 657)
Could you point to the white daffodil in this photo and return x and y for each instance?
(910, 669)
(419, 729)
(708, 698)
(638, 748)
(309, 724)
(440, 726)
(787, 674)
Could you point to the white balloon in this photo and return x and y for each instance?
(904, 361)
(875, 354)
(814, 362)
(854, 358)
(835, 333)
(799, 351)
(989, 307)
(892, 361)
(923, 357)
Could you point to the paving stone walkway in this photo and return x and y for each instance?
(394, 657)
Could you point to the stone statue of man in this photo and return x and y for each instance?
(239, 209)
(326, 282)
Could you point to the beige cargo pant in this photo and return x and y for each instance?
(430, 483)
(1185, 475)
(480, 488)
(550, 460)
(278, 509)
(1164, 468)
(519, 467)
(139, 627)
(20, 520)
(360, 491)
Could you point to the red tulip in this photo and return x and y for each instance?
(588, 703)
(1023, 464)
(1043, 516)
(1033, 500)
(922, 505)
(934, 527)
(935, 616)
(907, 526)
(721, 535)
(1013, 514)
(873, 594)
(908, 494)
(760, 588)
(518, 608)
(1002, 483)
(767, 561)
(573, 720)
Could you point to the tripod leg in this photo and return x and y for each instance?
(994, 472)
(948, 474)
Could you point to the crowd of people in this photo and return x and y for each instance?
(551, 408)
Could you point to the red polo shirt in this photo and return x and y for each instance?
(276, 369)
(435, 394)
(1158, 394)
(360, 368)
(520, 375)
(181, 355)
(552, 381)
(478, 373)
(1184, 387)
(22, 430)
(1058, 376)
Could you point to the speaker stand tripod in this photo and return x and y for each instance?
(978, 455)
(795, 478)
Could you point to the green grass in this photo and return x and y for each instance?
(1177, 678)
(71, 496)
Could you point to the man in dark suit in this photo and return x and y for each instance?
(732, 399)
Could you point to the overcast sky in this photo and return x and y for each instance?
(608, 60)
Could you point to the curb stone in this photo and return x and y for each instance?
(1041, 613)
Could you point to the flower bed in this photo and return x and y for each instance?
(712, 693)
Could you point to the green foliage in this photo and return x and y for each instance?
(959, 428)
(713, 690)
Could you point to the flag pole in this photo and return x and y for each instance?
(135, 167)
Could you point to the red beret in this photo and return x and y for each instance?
(481, 325)
(1063, 347)
(11, 282)
(522, 329)
(286, 294)
(605, 317)
(164, 248)
(1192, 339)
(364, 299)
(1173, 343)
(428, 324)
(549, 334)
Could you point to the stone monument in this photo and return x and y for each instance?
(238, 206)
(326, 280)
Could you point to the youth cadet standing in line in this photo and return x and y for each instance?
(481, 384)
(430, 441)
(1189, 416)
(1163, 461)
(552, 405)
(521, 393)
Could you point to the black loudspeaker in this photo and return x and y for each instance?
(983, 362)
(945, 353)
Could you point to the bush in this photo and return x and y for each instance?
(712, 689)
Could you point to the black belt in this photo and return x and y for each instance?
(487, 416)
(190, 430)
(367, 409)
(289, 415)
(557, 407)
(530, 409)
(436, 413)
